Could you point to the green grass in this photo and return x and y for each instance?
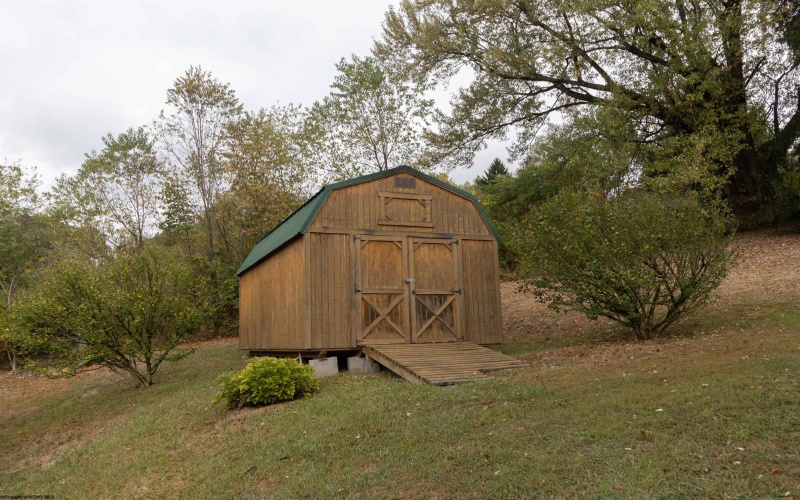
(590, 431)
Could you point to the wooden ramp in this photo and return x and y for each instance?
(440, 363)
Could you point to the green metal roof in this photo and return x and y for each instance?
(297, 223)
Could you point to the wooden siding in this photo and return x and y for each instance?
(271, 302)
(330, 292)
(359, 208)
(483, 321)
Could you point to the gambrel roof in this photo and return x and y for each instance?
(297, 223)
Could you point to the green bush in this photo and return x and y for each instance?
(266, 381)
(638, 258)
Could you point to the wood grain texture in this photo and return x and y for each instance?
(482, 314)
(442, 363)
(382, 290)
(271, 305)
(360, 207)
(331, 290)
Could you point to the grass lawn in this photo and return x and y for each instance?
(713, 412)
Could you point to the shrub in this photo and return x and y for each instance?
(128, 313)
(639, 258)
(266, 381)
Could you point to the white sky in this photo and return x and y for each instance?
(71, 72)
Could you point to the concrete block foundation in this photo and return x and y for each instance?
(324, 367)
(362, 364)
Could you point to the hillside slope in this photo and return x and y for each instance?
(712, 412)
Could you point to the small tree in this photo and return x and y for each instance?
(496, 168)
(639, 258)
(129, 314)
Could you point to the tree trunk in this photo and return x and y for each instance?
(12, 360)
(746, 189)
(210, 235)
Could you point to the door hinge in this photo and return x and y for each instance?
(455, 242)
(457, 290)
(409, 280)
(356, 290)
(413, 291)
(355, 237)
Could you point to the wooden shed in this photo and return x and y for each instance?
(394, 257)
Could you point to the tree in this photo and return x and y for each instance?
(24, 241)
(371, 121)
(193, 140)
(641, 258)
(714, 76)
(269, 178)
(128, 314)
(117, 191)
(496, 168)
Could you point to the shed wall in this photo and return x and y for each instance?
(483, 320)
(331, 292)
(271, 302)
(358, 207)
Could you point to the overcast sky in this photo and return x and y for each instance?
(71, 72)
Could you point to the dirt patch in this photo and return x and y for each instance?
(53, 445)
(528, 321)
(768, 267)
(20, 390)
(211, 343)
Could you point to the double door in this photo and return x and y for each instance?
(407, 290)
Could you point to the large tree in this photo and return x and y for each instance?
(24, 241)
(269, 177)
(372, 120)
(116, 190)
(193, 136)
(716, 78)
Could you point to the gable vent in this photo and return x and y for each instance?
(405, 182)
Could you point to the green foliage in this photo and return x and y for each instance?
(689, 79)
(640, 258)
(266, 381)
(116, 191)
(372, 120)
(268, 178)
(192, 139)
(496, 169)
(128, 313)
(25, 240)
(787, 191)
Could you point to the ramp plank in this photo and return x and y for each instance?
(440, 363)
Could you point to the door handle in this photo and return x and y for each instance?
(409, 280)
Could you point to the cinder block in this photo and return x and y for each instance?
(362, 364)
(324, 367)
